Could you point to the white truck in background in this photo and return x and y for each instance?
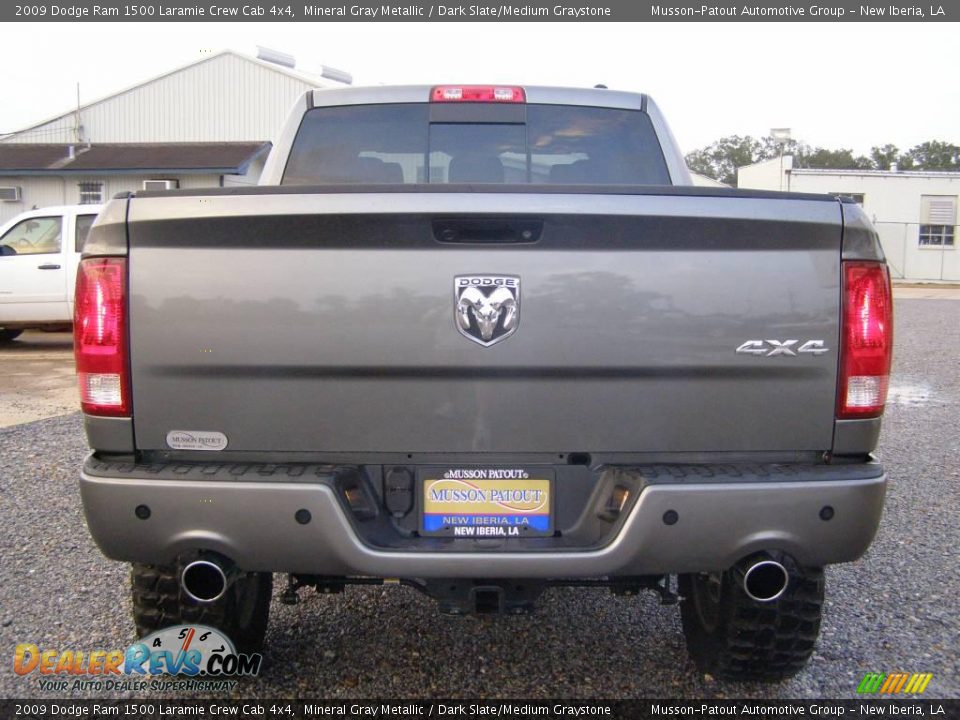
(39, 254)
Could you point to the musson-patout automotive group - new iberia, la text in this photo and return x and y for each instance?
(796, 11)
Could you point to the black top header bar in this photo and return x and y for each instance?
(832, 11)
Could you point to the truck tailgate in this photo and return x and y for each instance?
(326, 322)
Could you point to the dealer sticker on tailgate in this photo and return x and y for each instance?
(481, 502)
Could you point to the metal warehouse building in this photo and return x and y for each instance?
(206, 124)
(915, 212)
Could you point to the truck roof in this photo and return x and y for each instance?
(535, 94)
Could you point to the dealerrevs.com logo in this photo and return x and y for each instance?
(894, 683)
(203, 655)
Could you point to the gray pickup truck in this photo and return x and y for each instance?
(483, 341)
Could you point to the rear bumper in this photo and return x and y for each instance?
(253, 523)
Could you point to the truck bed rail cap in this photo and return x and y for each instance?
(373, 203)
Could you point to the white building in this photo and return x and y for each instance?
(915, 212)
(703, 181)
(205, 124)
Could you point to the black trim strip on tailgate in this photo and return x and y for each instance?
(401, 231)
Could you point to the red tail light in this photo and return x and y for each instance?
(477, 93)
(100, 336)
(866, 345)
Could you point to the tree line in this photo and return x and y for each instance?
(720, 159)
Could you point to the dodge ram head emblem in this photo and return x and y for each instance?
(486, 307)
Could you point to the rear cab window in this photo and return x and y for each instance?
(475, 143)
(82, 229)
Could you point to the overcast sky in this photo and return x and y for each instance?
(836, 85)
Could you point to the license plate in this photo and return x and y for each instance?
(486, 502)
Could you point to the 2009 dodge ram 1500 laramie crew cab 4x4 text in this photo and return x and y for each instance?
(485, 340)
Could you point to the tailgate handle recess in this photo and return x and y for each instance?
(485, 231)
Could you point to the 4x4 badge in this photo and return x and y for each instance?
(771, 348)
(486, 307)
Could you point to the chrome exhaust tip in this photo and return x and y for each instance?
(765, 580)
(204, 581)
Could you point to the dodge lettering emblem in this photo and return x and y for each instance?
(486, 307)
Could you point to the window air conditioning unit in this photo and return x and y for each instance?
(161, 184)
(10, 194)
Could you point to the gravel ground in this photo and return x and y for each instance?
(894, 610)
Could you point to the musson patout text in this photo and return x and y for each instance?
(797, 11)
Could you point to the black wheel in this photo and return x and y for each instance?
(734, 637)
(242, 612)
(9, 335)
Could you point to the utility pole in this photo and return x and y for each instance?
(781, 136)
